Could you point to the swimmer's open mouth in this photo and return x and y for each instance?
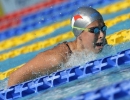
(99, 44)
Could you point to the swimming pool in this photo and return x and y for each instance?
(86, 84)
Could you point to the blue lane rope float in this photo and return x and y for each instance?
(111, 92)
(65, 76)
(34, 24)
(62, 9)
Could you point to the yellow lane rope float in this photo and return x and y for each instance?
(47, 43)
(42, 32)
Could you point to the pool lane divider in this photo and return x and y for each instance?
(35, 25)
(114, 39)
(14, 20)
(116, 20)
(12, 42)
(111, 92)
(36, 16)
(29, 36)
(37, 46)
(29, 10)
(6, 74)
(65, 76)
(64, 10)
(123, 4)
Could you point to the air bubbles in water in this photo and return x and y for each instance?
(79, 58)
(3, 84)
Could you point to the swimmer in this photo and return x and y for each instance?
(90, 31)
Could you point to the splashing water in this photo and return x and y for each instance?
(77, 58)
(80, 58)
(3, 84)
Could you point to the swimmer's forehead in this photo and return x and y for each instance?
(96, 23)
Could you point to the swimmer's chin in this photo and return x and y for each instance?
(96, 51)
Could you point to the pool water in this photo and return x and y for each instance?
(97, 80)
(90, 83)
(74, 88)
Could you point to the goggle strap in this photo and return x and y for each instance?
(81, 28)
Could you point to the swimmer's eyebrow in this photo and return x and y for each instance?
(102, 24)
(99, 26)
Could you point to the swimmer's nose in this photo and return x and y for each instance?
(102, 35)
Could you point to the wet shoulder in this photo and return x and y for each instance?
(60, 52)
(62, 48)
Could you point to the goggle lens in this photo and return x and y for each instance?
(104, 28)
(96, 30)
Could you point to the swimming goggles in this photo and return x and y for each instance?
(95, 30)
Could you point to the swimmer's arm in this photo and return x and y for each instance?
(43, 62)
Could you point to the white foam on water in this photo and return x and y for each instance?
(80, 58)
(3, 84)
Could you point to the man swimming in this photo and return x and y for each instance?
(90, 32)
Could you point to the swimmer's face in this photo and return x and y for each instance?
(91, 41)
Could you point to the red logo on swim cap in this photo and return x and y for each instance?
(77, 17)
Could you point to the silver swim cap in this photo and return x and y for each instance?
(83, 17)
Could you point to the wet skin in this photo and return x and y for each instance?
(93, 42)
